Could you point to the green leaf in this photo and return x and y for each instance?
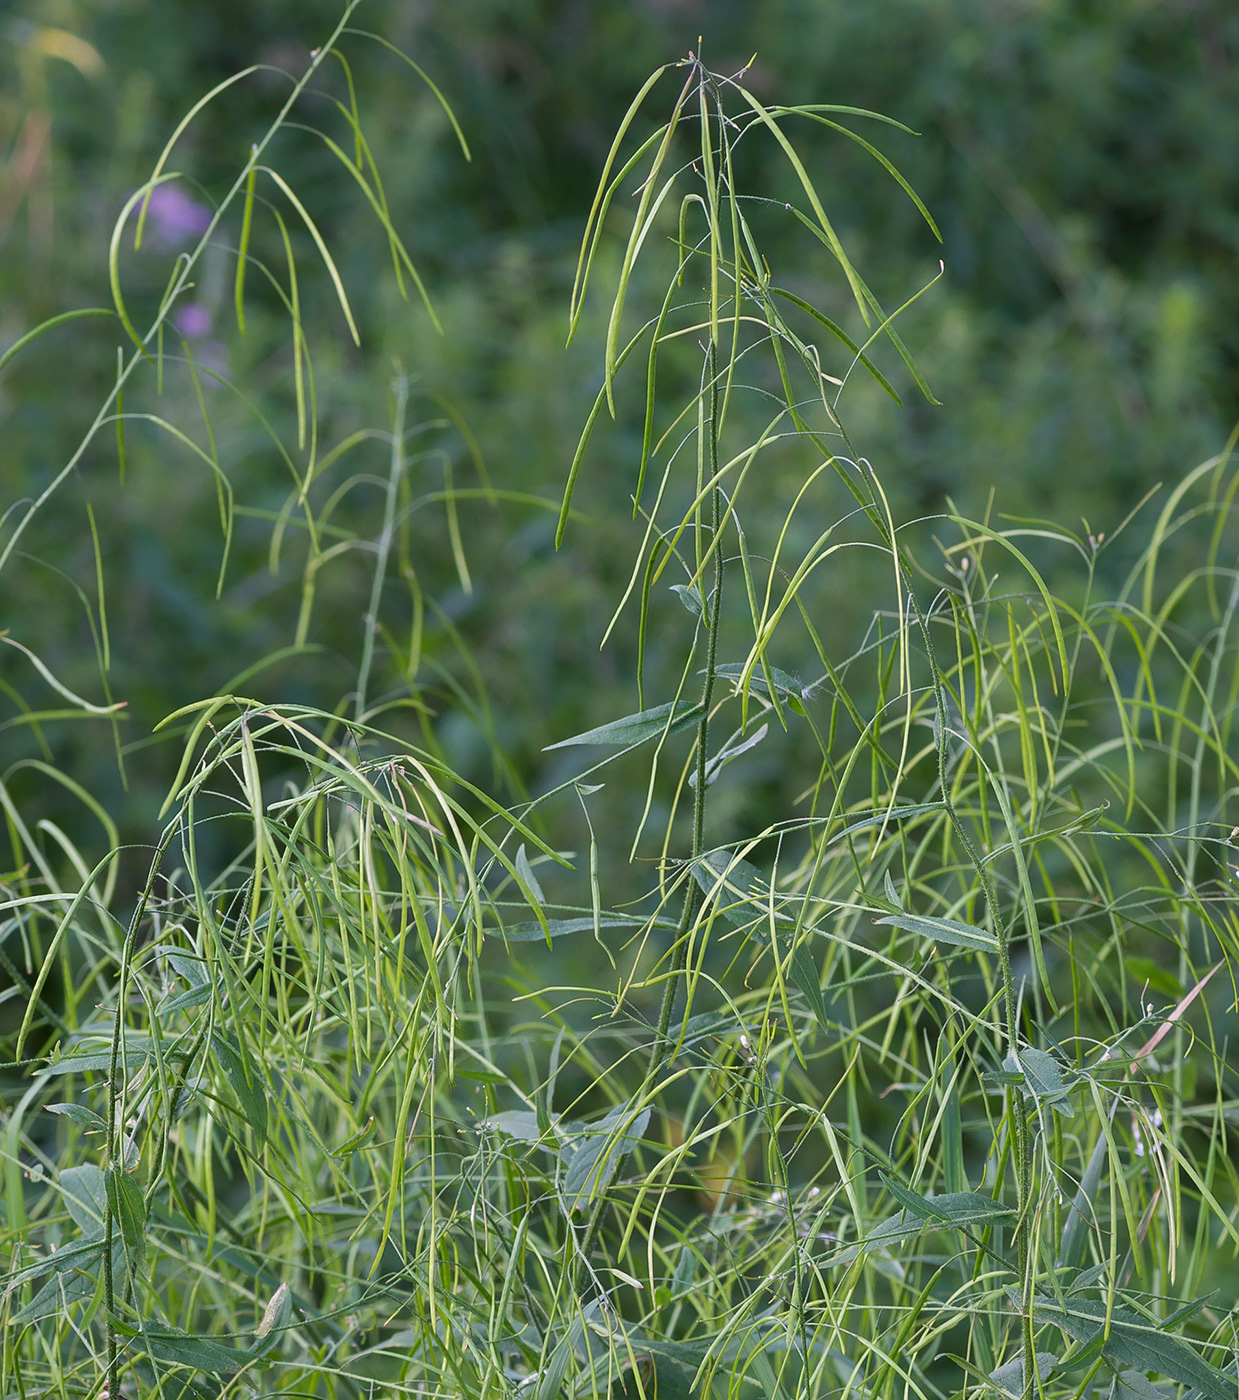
(184, 1001)
(525, 871)
(185, 1349)
(128, 1207)
(519, 1123)
(1135, 1344)
(595, 1153)
(242, 1074)
(1082, 1213)
(803, 972)
(892, 894)
(191, 967)
(953, 1208)
(760, 682)
(690, 596)
(353, 1143)
(733, 748)
(719, 874)
(207, 1353)
(1009, 1377)
(534, 932)
(1042, 1079)
(94, 1054)
(75, 1276)
(950, 1210)
(86, 1194)
(87, 1117)
(944, 930)
(671, 718)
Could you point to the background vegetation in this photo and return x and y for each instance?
(728, 1131)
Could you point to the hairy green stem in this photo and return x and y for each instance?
(711, 615)
(115, 1159)
(1002, 933)
(383, 549)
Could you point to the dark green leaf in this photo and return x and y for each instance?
(191, 967)
(1135, 1344)
(242, 1074)
(944, 930)
(671, 718)
(125, 1198)
(1081, 1214)
(516, 1122)
(1042, 1078)
(803, 972)
(86, 1193)
(75, 1276)
(595, 1154)
(532, 931)
(1009, 1377)
(79, 1114)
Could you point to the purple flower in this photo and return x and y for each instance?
(193, 320)
(172, 217)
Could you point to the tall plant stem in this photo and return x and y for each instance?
(712, 614)
(661, 1051)
(383, 549)
(1002, 933)
(115, 1160)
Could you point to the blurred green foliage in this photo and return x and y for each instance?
(1083, 340)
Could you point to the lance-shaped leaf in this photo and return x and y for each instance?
(128, 1209)
(1082, 1213)
(94, 1052)
(1040, 1078)
(86, 1194)
(733, 748)
(948, 1211)
(594, 1153)
(1133, 1343)
(785, 686)
(1009, 1377)
(944, 931)
(671, 718)
(75, 1276)
(531, 931)
(78, 1113)
(744, 898)
(210, 1354)
(242, 1073)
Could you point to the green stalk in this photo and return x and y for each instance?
(1002, 932)
(692, 893)
(661, 1051)
(383, 551)
(115, 1158)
